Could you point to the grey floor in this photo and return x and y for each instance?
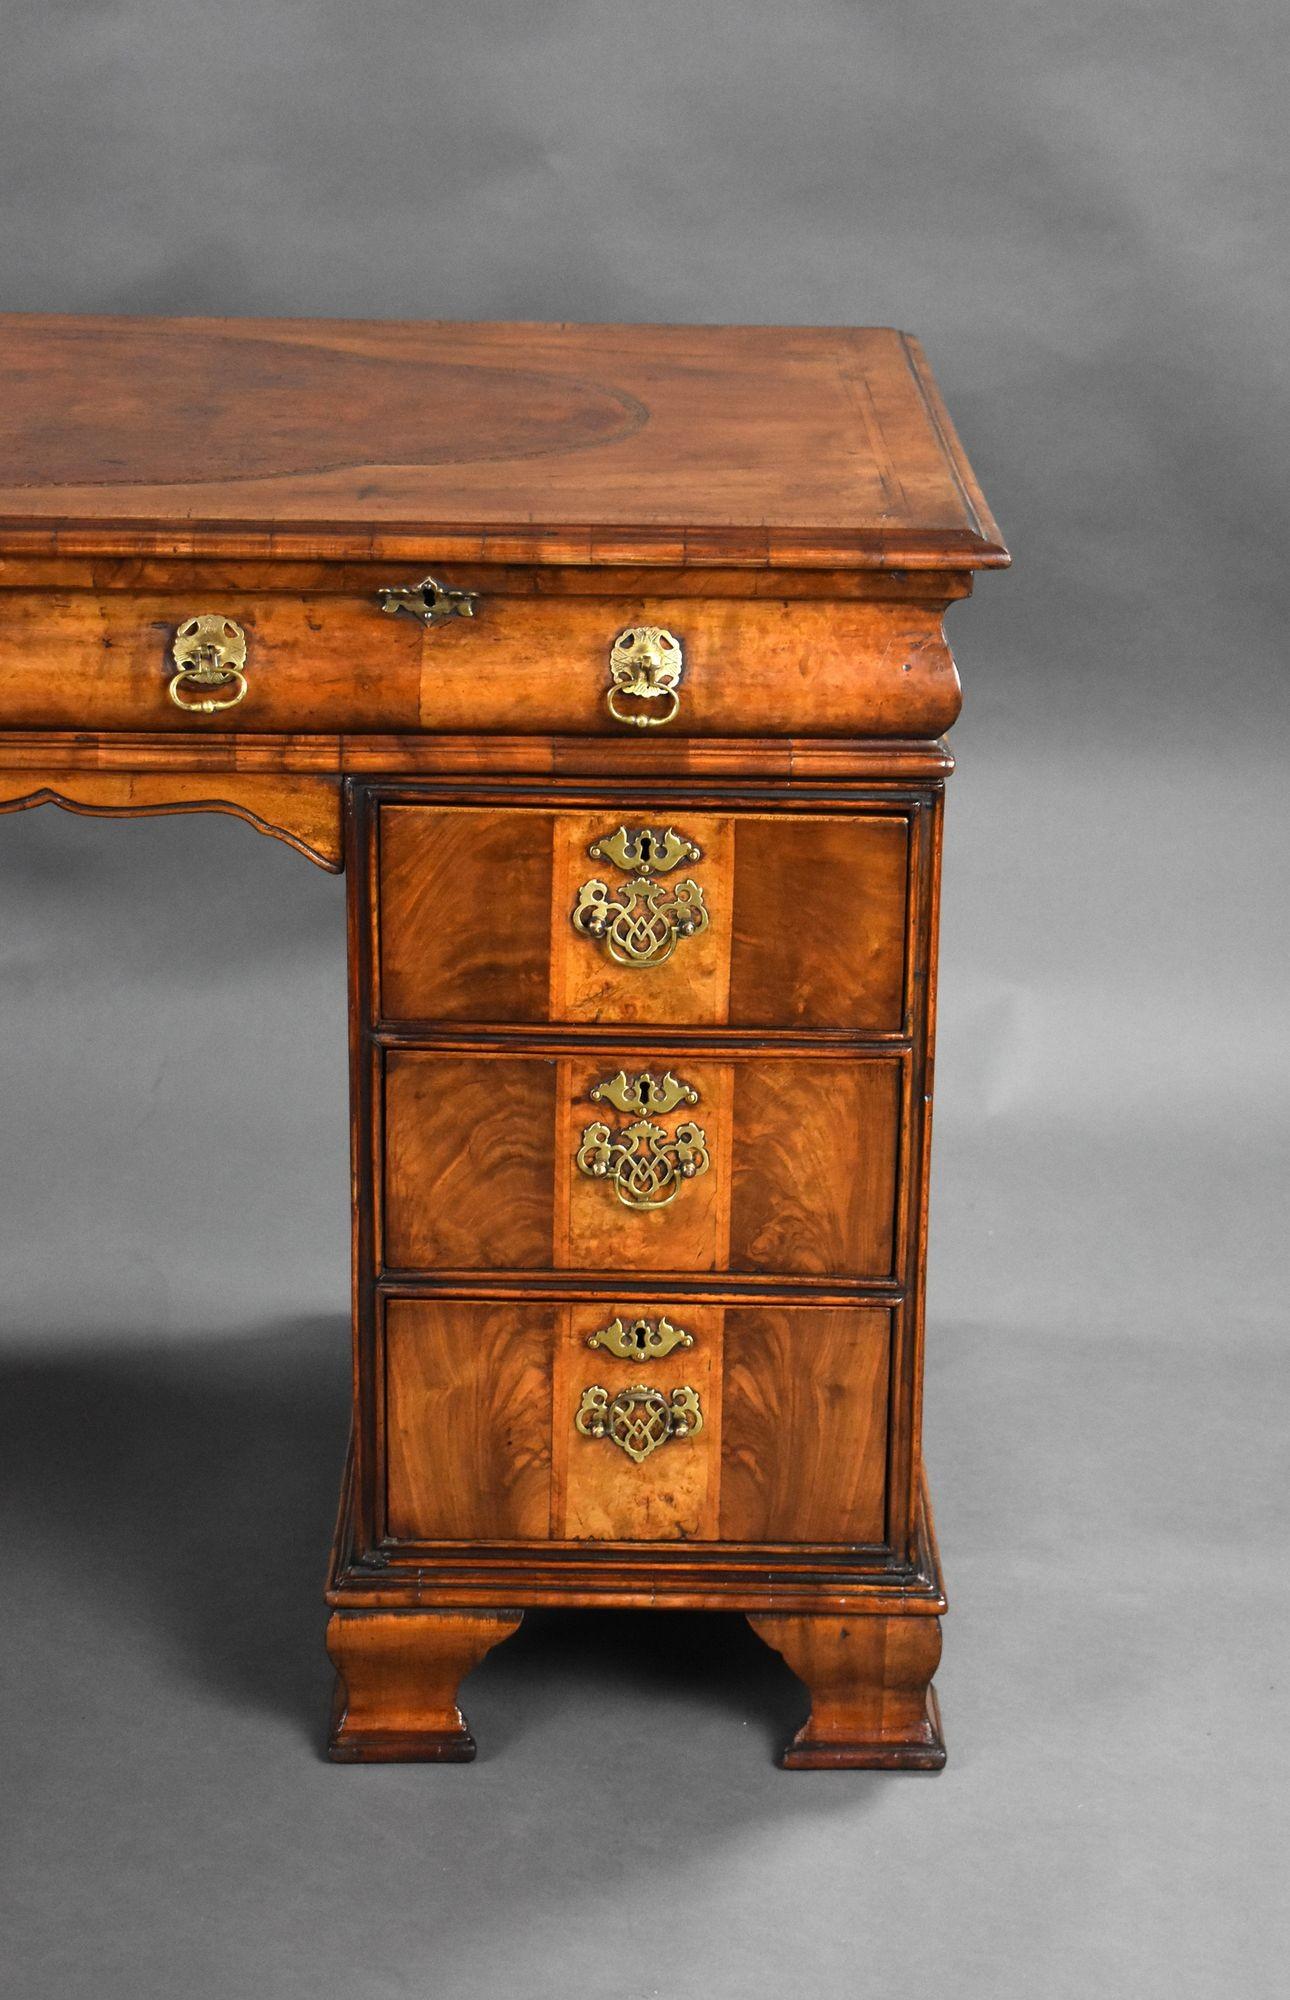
(1106, 1396)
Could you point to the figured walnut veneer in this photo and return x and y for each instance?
(740, 905)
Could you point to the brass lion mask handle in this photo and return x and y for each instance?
(645, 665)
(209, 652)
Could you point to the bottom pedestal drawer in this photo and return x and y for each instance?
(538, 1421)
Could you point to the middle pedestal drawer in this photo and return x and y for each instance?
(495, 1161)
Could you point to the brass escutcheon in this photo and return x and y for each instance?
(209, 652)
(429, 601)
(639, 1419)
(645, 664)
(641, 922)
(644, 1163)
(640, 1339)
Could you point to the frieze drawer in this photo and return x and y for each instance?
(219, 655)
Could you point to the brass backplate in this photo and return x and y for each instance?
(644, 1163)
(429, 601)
(640, 922)
(639, 1419)
(640, 1339)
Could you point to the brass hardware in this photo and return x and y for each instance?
(430, 601)
(640, 923)
(209, 654)
(639, 1419)
(645, 664)
(646, 1165)
(650, 850)
(643, 1092)
(640, 1339)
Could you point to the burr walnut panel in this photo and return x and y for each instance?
(482, 1441)
(805, 919)
(481, 1174)
(599, 1494)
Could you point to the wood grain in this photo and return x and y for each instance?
(303, 811)
(339, 577)
(504, 759)
(521, 665)
(814, 1166)
(480, 1169)
(692, 985)
(819, 923)
(873, 1706)
(804, 1424)
(469, 1172)
(671, 1576)
(548, 443)
(807, 920)
(603, 1234)
(600, 1493)
(467, 1421)
(795, 506)
(310, 663)
(465, 900)
(398, 1673)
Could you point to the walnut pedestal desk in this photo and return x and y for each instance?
(608, 662)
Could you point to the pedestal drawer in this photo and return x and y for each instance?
(775, 1165)
(794, 920)
(630, 1421)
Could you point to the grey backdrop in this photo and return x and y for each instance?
(1081, 209)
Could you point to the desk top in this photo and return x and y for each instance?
(343, 440)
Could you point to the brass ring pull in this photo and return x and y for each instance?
(639, 1419)
(644, 721)
(645, 664)
(209, 652)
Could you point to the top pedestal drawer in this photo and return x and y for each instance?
(521, 664)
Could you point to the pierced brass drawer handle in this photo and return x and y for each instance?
(639, 1419)
(210, 659)
(645, 664)
(641, 922)
(644, 1163)
(430, 601)
(640, 1339)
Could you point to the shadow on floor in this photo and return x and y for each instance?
(193, 1489)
